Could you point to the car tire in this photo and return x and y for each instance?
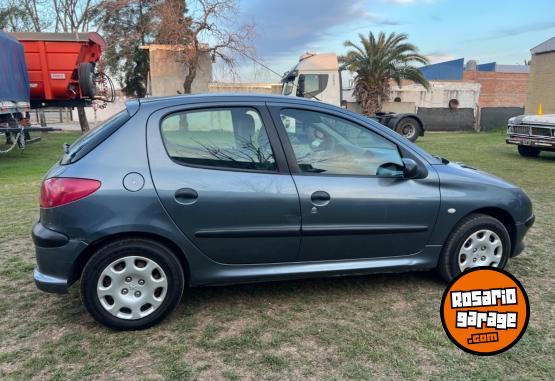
(528, 151)
(454, 258)
(410, 128)
(149, 273)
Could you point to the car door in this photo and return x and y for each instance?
(224, 181)
(355, 202)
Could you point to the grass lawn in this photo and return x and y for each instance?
(369, 327)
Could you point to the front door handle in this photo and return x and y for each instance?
(320, 198)
(186, 195)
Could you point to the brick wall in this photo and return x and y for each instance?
(499, 89)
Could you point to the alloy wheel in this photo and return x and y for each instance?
(132, 287)
(481, 248)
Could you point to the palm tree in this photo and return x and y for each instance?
(377, 61)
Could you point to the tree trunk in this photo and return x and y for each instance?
(374, 101)
(183, 122)
(83, 119)
(189, 78)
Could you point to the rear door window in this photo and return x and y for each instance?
(232, 137)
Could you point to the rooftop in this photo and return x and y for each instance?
(544, 47)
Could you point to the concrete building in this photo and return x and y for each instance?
(447, 105)
(167, 73)
(446, 94)
(542, 78)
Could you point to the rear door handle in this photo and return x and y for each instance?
(186, 195)
(320, 198)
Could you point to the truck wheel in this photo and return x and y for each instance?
(86, 79)
(410, 128)
(528, 151)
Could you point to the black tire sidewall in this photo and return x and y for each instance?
(86, 80)
(415, 125)
(152, 250)
(462, 232)
(528, 151)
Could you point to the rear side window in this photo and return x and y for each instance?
(86, 143)
(233, 137)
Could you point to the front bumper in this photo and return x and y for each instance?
(521, 230)
(531, 141)
(56, 258)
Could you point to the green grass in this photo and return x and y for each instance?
(369, 327)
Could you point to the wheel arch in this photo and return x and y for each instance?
(86, 254)
(503, 216)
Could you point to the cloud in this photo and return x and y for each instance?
(295, 27)
(518, 30)
(436, 57)
(408, 2)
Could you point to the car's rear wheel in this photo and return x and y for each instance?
(132, 284)
(477, 241)
(528, 151)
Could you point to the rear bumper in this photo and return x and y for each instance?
(56, 257)
(521, 230)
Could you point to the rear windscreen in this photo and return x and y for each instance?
(90, 140)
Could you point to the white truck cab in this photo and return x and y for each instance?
(317, 76)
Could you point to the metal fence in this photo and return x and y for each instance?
(47, 116)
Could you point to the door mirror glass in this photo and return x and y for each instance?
(390, 170)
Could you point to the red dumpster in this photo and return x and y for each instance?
(61, 66)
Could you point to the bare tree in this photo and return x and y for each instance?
(51, 15)
(73, 15)
(22, 15)
(209, 27)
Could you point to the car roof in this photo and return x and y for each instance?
(207, 97)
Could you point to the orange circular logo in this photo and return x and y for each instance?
(485, 311)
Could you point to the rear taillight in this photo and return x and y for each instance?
(58, 191)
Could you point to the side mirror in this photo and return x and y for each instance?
(411, 169)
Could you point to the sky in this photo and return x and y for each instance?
(488, 30)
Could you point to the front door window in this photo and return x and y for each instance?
(327, 144)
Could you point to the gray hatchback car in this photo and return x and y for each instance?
(221, 189)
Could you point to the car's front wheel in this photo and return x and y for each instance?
(132, 284)
(478, 240)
